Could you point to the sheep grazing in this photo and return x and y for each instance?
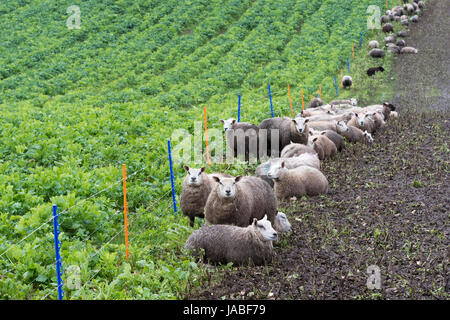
(237, 201)
(297, 182)
(394, 49)
(295, 150)
(373, 70)
(237, 133)
(401, 43)
(305, 159)
(385, 18)
(377, 53)
(351, 133)
(378, 119)
(408, 50)
(336, 138)
(409, 8)
(405, 22)
(315, 102)
(374, 44)
(288, 130)
(282, 224)
(388, 27)
(327, 146)
(414, 19)
(403, 34)
(239, 245)
(197, 186)
(390, 38)
(347, 82)
(421, 4)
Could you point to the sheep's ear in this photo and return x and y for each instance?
(186, 168)
(237, 178)
(233, 122)
(367, 115)
(202, 169)
(265, 217)
(315, 139)
(323, 132)
(282, 164)
(294, 121)
(216, 178)
(255, 222)
(306, 120)
(223, 121)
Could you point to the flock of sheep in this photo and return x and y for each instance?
(241, 213)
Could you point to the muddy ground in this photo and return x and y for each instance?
(388, 205)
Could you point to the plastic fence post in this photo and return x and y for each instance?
(335, 84)
(125, 209)
(320, 90)
(171, 178)
(290, 101)
(206, 137)
(239, 108)
(348, 65)
(271, 105)
(56, 231)
(353, 50)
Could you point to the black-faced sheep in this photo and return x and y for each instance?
(237, 201)
(297, 182)
(305, 159)
(242, 138)
(239, 245)
(295, 150)
(373, 70)
(197, 186)
(377, 53)
(408, 50)
(351, 133)
(347, 82)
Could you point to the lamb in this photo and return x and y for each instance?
(240, 245)
(305, 159)
(196, 188)
(315, 102)
(373, 70)
(288, 130)
(377, 53)
(241, 132)
(237, 201)
(409, 50)
(295, 150)
(388, 27)
(328, 146)
(297, 182)
(281, 224)
(347, 82)
(351, 133)
(374, 44)
(336, 138)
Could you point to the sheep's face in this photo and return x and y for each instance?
(281, 223)
(275, 170)
(228, 124)
(264, 229)
(341, 126)
(368, 137)
(361, 119)
(300, 124)
(227, 187)
(353, 102)
(195, 176)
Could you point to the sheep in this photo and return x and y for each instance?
(241, 132)
(373, 70)
(240, 245)
(330, 117)
(368, 137)
(403, 34)
(374, 44)
(397, 11)
(288, 130)
(328, 147)
(390, 38)
(363, 122)
(385, 109)
(305, 159)
(409, 8)
(337, 139)
(281, 224)
(351, 133)
(377, 53)
(378, 120)
(401, 43)
(297, 182)
(237, 201)
(408, 50)
(196, 188)
(315, 102)
(385, 18)
(295, 150)
(323, 125)
(352, 102)
(388, 27)
(394, 49)
(315, 111)
(347, 82)
(421, 4)
(414, 19)
(405, 22)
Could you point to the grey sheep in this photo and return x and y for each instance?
(239, 245)
(408, 50)
(295, 150)
(327, 146)
(236, 201)
(388, 27)
(351, 133)
(337, 139)
(241, 132)
(297, 182)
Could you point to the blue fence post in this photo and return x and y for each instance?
(348, 65)
(360, 39)
(335, 84)
(59, 271)
(271, 105)
(239, 108)
(171, 178)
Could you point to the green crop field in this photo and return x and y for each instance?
(76, 104)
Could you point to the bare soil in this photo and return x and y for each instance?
(388, 205)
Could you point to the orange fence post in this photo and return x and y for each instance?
(320, 90)
(290, 101)
(303, 104)
(206, 137)
(353, 50)
(125, 208)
